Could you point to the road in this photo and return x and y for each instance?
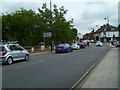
(51, 70)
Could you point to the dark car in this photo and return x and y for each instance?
(94, 41)
(82, 45)
(117, 44)
(63, 48)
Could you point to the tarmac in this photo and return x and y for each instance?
(105, 74)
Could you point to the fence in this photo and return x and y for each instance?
(41, 48)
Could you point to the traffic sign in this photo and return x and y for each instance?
(47, 34)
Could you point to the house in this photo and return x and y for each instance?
(107, 33)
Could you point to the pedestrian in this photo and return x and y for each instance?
(87, 43)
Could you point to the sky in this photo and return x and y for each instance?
(85, 13)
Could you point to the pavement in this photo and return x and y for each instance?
(39, 53)
(105, 74)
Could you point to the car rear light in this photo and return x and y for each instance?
(4, 53)
(74, 46)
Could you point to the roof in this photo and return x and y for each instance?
(9, 42)
(106, 27)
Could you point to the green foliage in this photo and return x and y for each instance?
(27, 26)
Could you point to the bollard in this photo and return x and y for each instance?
(42, 48)
(32, 49)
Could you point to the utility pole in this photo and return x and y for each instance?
(44, 41)
(51, 23)
(99, 31)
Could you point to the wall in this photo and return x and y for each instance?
(110, 34)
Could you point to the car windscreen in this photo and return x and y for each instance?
(74, 44)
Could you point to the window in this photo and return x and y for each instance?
(3, 49)
(112, 29)
(15, 47)
(20, 48)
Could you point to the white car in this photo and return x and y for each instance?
(75, 46)
(99, 44)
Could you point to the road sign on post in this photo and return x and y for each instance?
(47, 34)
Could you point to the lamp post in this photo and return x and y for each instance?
(50, 6)
(51, 23)
(107, 18)
(97, 27)
(93, 36)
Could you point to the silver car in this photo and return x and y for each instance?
(10, 52)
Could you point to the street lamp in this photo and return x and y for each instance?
(97, 27)
(107, 18)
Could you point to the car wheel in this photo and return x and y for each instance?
(67, 51)
(26, 57)
(57, 52)
(9, 60)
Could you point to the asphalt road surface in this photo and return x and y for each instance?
(51, 70)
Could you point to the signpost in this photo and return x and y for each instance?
(47, 34)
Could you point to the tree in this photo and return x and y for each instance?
(62, 29)
(27, 26)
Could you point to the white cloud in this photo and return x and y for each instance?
(94, 14)
(86, 14)
(60, 0)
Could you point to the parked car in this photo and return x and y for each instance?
(63, 48)
(94, 41)
(117, 44)
(12, 51)
(86, 42)
(75, 46)
(91, 41)
(113, 42)
(98, 44)
(82, 45)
